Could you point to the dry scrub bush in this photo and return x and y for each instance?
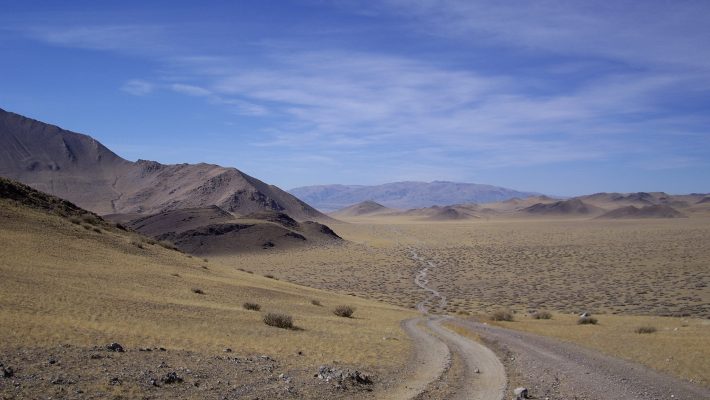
(271, 277)
(587, 321)
(344, 311)
(316, 303)
(167, 244)
(542, 315)
(645, 329)
(502, 315)
(279, 320)
(198, 291)
(251, 306)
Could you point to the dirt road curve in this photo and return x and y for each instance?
(549, 368)
(560, 370)
(483, 374)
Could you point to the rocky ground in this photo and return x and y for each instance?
(106, 371)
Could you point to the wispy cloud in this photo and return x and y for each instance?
(134, 39)
(349, 99)
(603, 89)
(137, 87)
(656, 32)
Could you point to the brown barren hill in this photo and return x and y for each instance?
(571, 207)
(211, 230)
(365, 208)
(78, 168)
(447, 213)
(652, 211)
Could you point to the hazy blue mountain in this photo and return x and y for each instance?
(404, 195)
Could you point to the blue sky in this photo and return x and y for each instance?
(560, 97)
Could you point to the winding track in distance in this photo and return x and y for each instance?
(552, 368)
(484, 376)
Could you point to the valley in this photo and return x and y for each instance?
(211, 281)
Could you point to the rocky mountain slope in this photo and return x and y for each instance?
(78, 168)
(211, 230)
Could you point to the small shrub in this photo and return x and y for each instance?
(271, 277)
(587, 321)
(175, 275)
(90, 219)
(502, 315)
(137, 243)
(205, 260)
(74, 220)
(198, 291)
(251, 306)
(87, 226)
(97, 229)
(167, 244)
(150, 241)
(542, 315)
(316, 303)
(344, 311)
(645, 329)
(282, 321)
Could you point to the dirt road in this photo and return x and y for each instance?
(483, 374)
(549, 368)
(559, 370)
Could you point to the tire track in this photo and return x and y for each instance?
(484, 375)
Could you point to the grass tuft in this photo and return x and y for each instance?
(645, 329)
(251, 306)
(344, 311)
(587, 321)
(501, 315)
(278, 320)
(541, 315)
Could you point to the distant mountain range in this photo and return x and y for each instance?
(404, 195)
(639, 205)
(78, 168)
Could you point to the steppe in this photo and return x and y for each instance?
(628, 273)
(72, 286)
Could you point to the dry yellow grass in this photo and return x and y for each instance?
(62, 284)
(626, 267)
(680, 346)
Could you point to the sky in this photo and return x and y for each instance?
(558, 97)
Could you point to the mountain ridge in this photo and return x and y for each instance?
(404, 195)
(80, 169)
